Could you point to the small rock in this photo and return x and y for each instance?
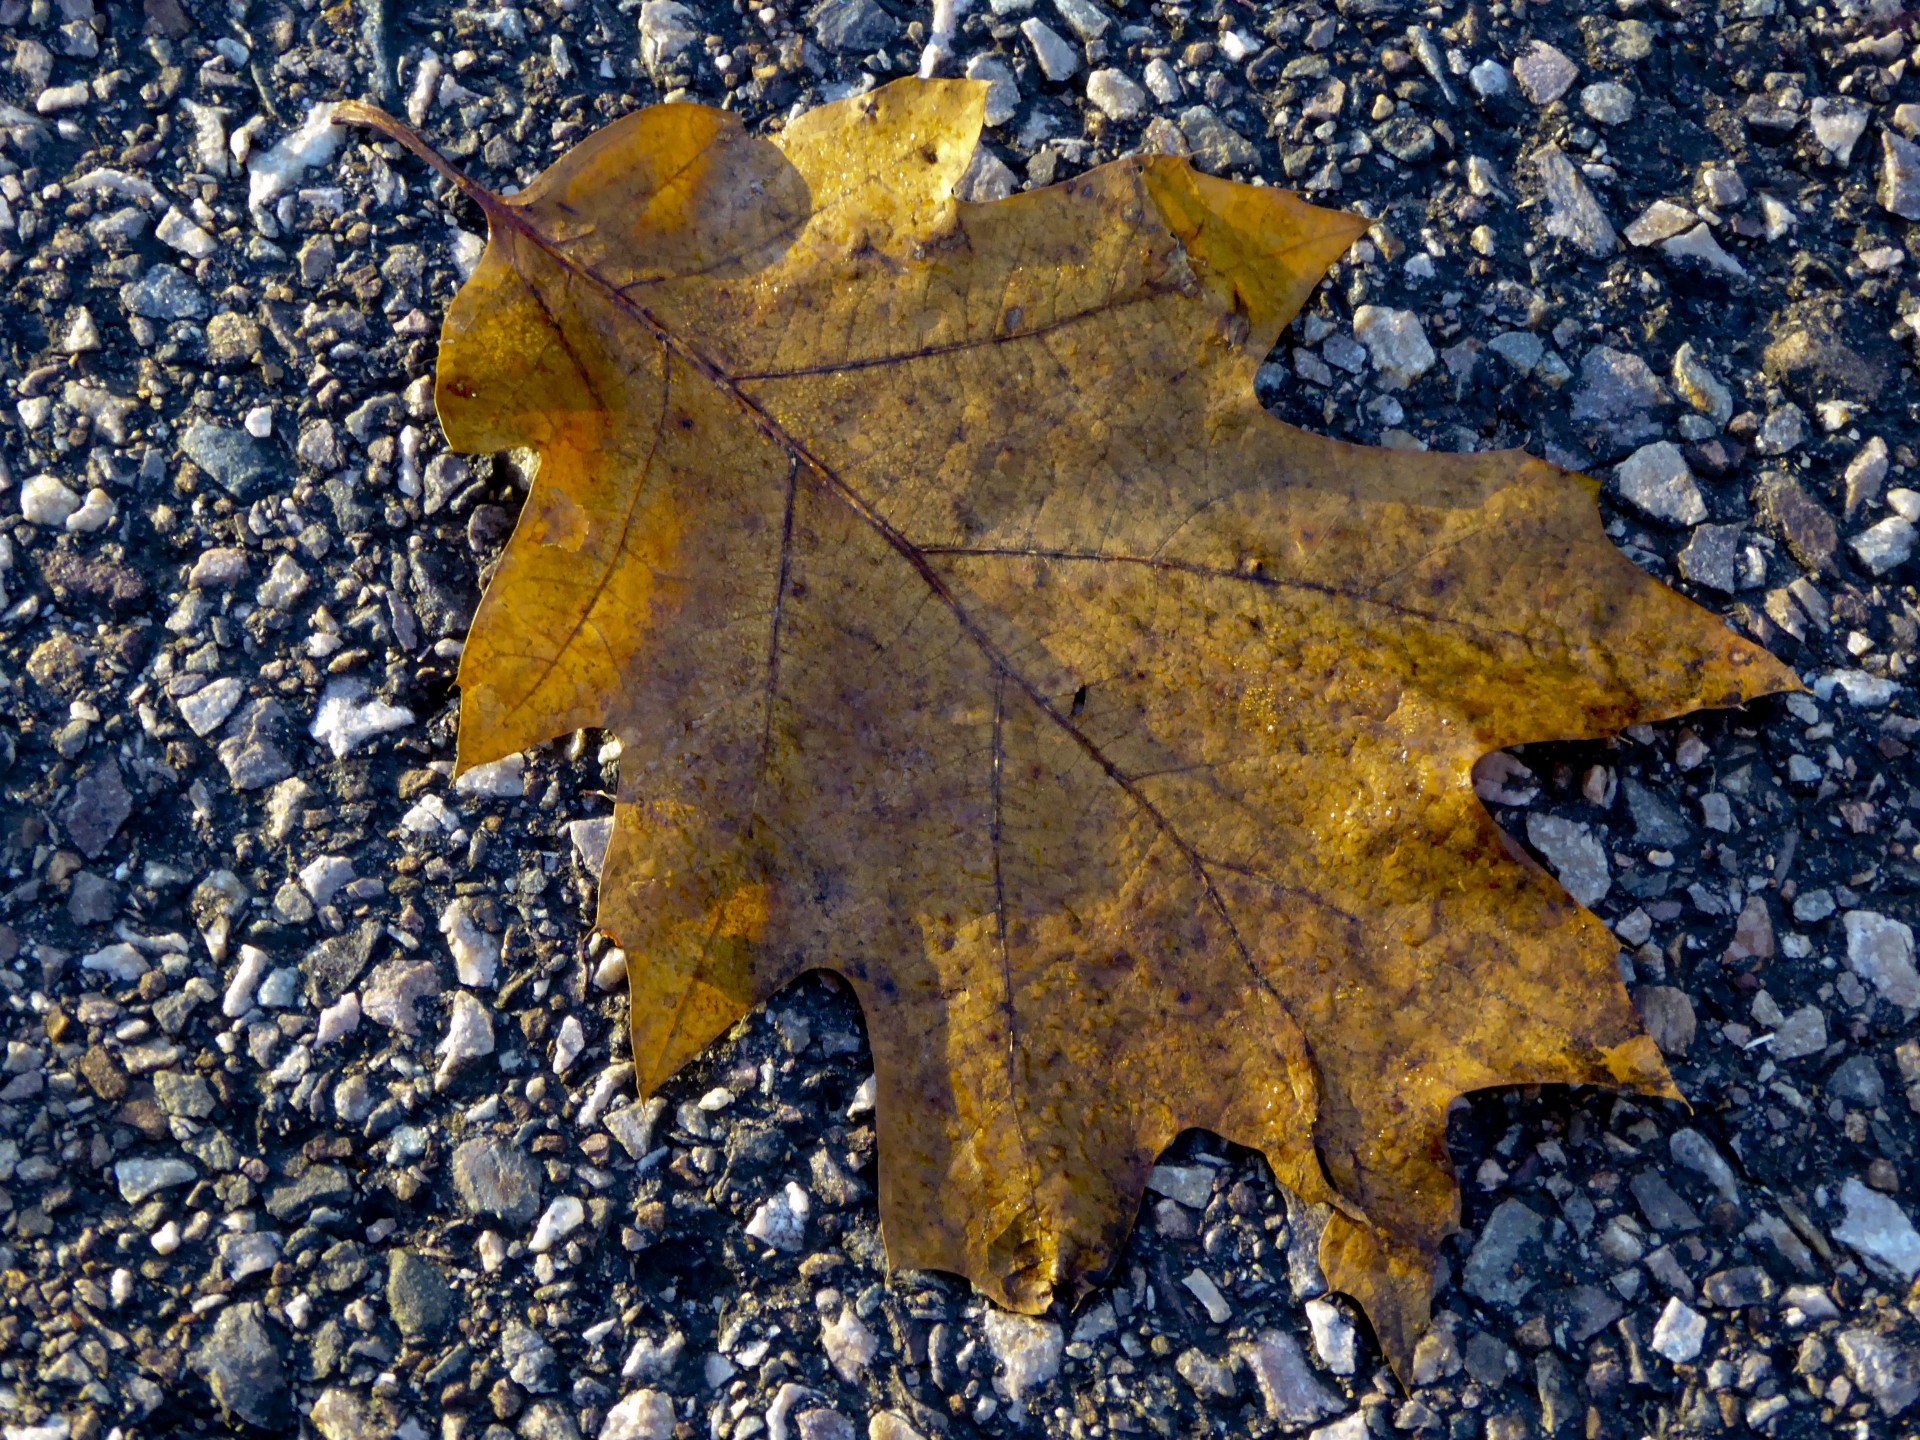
(392, 991)
(857, 27)
(1838, 125)
(1878, 1229)
(45, 501)
(781, 1221)
(1396, 343)
(1003, 92)
(495, 1179)
(139, 1179)
(1883, 1368)
(1712, 558)
(418, 1296)
(1699, 388)
(1291, 1392)
(1543, 73)
(643, 1415)
(469, 1036)
(1490, 80)
(1334, 1340)
(251, 752)
(1679, 1332)
(165, 293)
(1885, 546)
(476, 953)
(242, 1365)
(99, 806)
(1572, 213)
(1899, 176)
(849, 1344)
(346, 719)
(1667, 1012)
(1213, 145)
(1209, 1378)
(1607, 103)
(1578, 860)
(1880, 951)
(1116, 95)
(668, 35)
(1027, 1348)
(1617, 392)
(1058, 60)
(529, 1359)
(1498, 1271)
(207, 708)
(564, 1216)
(1661, 220)
(1656, 480)
(271, 173)
(1784, 505)
(1801, 1034)
(502, 779)
(1699, 244)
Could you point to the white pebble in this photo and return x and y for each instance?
(95, 513)
(253, 969)
(259, 421)
(338, 1019)
(568, 1045)
(563, 1217)
(166, 1239)
(45, 501)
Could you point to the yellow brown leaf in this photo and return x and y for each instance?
(970, 630)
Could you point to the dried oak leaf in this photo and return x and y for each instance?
(971, 631)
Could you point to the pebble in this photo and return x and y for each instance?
(1838, 126)
(1499, 1269)
(643, 1415)
(1877, 1228)
(1607, 103)
(236, 461)
(1886, 1370)
(1572, 213)
(1116, 95)
(121, 962)
(849, 1345)
(346, 719)
(1003, 92)
(1657, 481)
(1885, 546)
(252, 969)
(502, 779)
(1899, 176)
(96, 512)
(469, 1035)
(254, 1253)
(1490, 80)
(1880, 951)
(668, 33)
(165, 293)
(418, 1296)
(1699, 244)
(1711, 558)
(1866, 473)
(1058, 60)
(1028, 1350)
(271, 173)
(1679, 1333)
(207, 709)
(1163, 80)
(1543, 73)
(1578, 860)
(494, 1178)
(140, 1178)
(1698, 386)
(568, 1044)
(853, 26)
(781, 1221)
(476, 952)
(1334, 1338)
(45, 501)
(1212, 144)
(182, 234)
(392, 991)
(1396, 343)
(243, 1366)
(1289, 1390)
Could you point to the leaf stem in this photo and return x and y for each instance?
(360, 112)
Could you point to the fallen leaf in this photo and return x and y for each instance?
(970, 630)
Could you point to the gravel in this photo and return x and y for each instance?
(310, 1044)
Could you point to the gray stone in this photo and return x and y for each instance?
(138, 1179)
(1543, 73)
(1679, 1333)
(319, 1187)
(1699, 244)
(181, 1093)
(668, 35)
(1576, 857)
(1784, 505)
(1656, 480)
(1879, 1231)
(1899, 176)
(99, 806)
(1712, 558)
(1396, 343)
(1699, 387)
(1607, 103)
(1617, 393)
(1737, 1288)
(1661, 1204)
(165, 293)
(418, 1295)
(1116, 95)
(1667, 1012)
(1209, 1379)
(1858, 1081)
(251, 752)
(332, 966)
(207, 708)
(241, 1362)
(495, 1179)
(1800, 1034)
(1502, 1270)
(1406, 138)
(1519, 348)
(234, 460)
(1880, 951)
(529, 1359)
(1058, 60)
(1838, 125)
(1214, 146)
(1290, 1391)
(1028, 1350)
(1885, 546)
(1655, 822)
(1086, 19)
(820, 1423)
(1003, 92)
(1572, 213)
(855, 27)
(1882, 1367)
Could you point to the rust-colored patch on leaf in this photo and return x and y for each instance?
(971, 631)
